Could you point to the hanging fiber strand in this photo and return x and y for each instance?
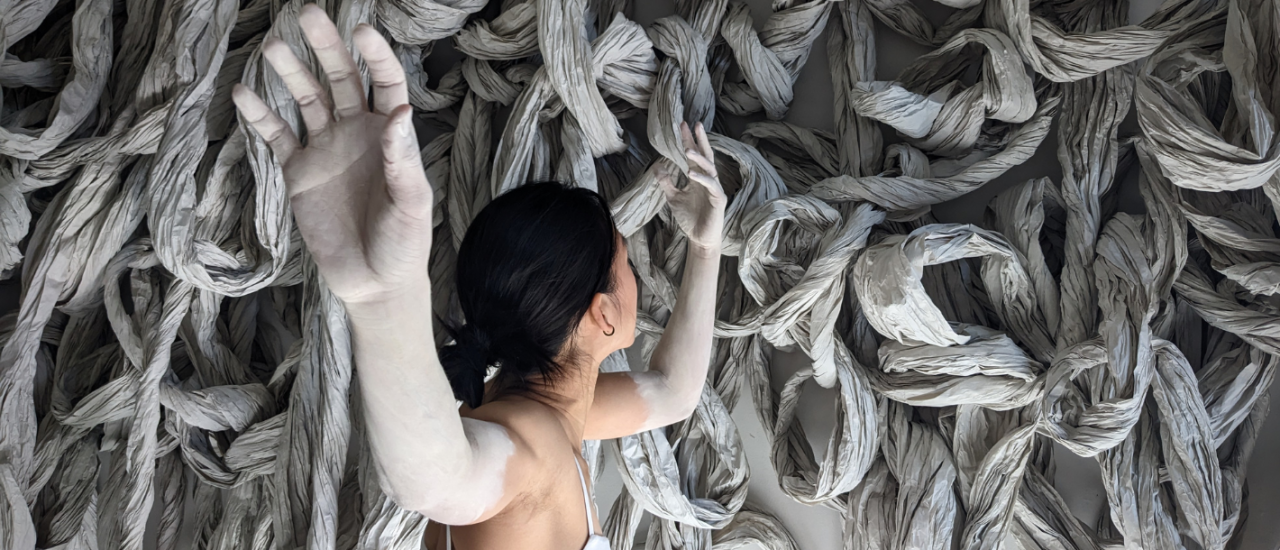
(175, 353)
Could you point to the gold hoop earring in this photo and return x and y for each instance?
(611, 331)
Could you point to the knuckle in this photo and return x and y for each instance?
(260, 120)
(415, 204)
(400, 158)
(402, 169)
(274, 134)
(309, 99)
(341, 74)
(381, 62)
(393, 169)
(389, 83)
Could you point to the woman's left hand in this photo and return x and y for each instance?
(358, 190)
(698, 209)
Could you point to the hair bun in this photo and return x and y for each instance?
(472, 338)
(466, 362)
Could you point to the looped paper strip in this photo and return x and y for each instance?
(175, 349)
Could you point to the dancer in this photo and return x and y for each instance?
(543, 282)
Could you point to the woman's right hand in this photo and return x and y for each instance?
(698, 209)
(358, 189)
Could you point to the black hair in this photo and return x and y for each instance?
(528, 268)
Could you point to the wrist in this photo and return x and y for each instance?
(705, 250)
(392, 307)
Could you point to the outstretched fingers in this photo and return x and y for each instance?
(278, 135)
(705, 146)
(335, 58)
(686, 138)
(312, 101)
(703, 162)
(698, 150)
(389, 88)
(402, 165)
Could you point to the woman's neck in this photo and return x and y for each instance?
(570, 395)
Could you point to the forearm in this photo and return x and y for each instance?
(411, 415)
(683, 353)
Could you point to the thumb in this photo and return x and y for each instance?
(402, 163)
(668, 189)
(665, 176)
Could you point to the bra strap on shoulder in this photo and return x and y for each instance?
(586, 498)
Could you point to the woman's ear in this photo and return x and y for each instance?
(601, 312)
(605, 313)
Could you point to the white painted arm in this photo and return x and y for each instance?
(454, 470)
(630, 402)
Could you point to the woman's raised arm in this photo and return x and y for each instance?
(683, 353)
(362, 203)
(627, 403)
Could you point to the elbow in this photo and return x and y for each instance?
(406, 499)
(686, 405)
(405, 494)
(411, 490)
(448, 505)
(681, 400)
(667, 401)
(674, 410)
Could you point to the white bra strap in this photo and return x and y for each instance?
(586, 498)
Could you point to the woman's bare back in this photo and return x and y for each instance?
(551, 515)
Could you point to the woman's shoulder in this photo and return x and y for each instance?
(543, 441)
(534, 423)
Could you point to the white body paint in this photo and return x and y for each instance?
(492, 448)
(653, 390)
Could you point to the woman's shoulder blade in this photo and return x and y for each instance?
(534, 423)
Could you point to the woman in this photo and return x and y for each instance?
(544, 285)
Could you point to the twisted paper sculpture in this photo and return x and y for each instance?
(176, 354)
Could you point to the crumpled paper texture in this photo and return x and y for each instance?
(172, 323)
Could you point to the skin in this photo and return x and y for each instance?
(360, 197)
